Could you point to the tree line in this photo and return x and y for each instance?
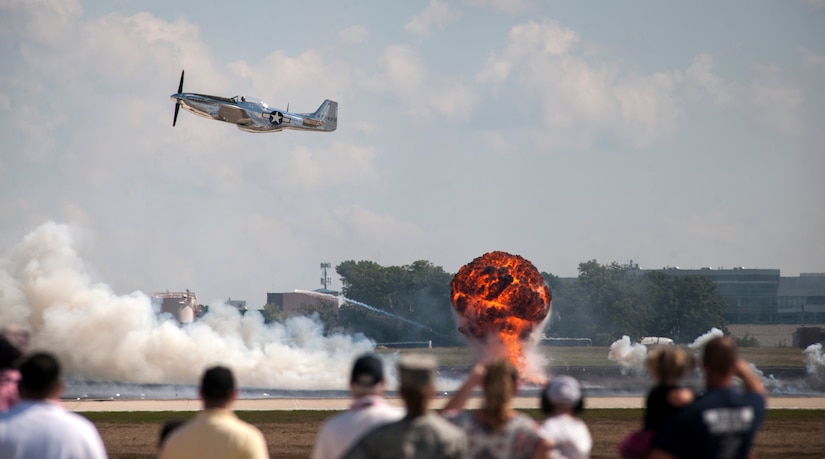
(412, 303)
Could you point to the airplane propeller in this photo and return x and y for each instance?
(177, 104)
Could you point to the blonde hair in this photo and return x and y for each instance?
(499, 385)
(669, 364)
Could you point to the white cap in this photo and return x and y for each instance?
(564, 390)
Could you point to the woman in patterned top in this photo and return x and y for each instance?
(496, 431)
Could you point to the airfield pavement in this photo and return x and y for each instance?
(292, 404)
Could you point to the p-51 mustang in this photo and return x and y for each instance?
(254, 115)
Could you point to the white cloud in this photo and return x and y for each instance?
(354, 35)
(770, 98)
(649, 108)
(811, 58)
(577, 99)
(436, 15)
(383, 233)
(548, 37)
(343, 163)
(815, 3)
(504, 6)
(426, 97)
(48, 22)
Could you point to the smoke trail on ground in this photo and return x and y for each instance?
(699, 343)
(101, 335)
(815, 360)
(629, 356)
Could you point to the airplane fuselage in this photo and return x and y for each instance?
(253, 115)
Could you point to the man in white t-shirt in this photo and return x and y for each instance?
(368, 410)
(39, 427)
(561, 400)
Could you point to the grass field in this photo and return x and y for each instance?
(291, 434)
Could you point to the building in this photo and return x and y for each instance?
(301, 303)
(803, 298)
(751, 295)
(183, 306)
(239, 304)
(763, 296)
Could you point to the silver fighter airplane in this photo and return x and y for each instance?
(254, 115)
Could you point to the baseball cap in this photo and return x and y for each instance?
(367, 371)
(563, 390)
(417, 371)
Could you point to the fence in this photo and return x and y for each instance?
(406, 344)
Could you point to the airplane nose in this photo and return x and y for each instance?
(176, 97)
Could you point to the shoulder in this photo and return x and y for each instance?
(458, 417)
(439, 425)
(249, 429)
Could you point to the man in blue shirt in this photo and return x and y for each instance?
(723, 422)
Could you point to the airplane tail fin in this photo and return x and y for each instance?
(327, 114)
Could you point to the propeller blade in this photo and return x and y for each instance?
(177, 104)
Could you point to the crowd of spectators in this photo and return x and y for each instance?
(720, 421)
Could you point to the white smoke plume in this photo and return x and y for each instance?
(815, 360)
(98, 334)
(699, 343)
(630, 356)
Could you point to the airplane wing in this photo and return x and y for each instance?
(232, 114)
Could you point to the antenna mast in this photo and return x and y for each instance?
(325, 280)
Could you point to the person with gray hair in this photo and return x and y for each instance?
(368, 410)
(421, 433)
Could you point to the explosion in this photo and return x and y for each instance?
(500, 300)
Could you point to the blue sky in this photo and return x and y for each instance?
(669, 133)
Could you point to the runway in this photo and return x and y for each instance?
(293, 404)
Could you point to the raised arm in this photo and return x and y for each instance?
(751, 382)
(463, 394)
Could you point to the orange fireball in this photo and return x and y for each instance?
(500, 299)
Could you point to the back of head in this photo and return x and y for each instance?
(14, 342)
(416, 374)
(9, 353)
(562, 393)
(39, 376)
(668, 364)
(499, 386)
(367, 375)
(720, 355)
(217, 386)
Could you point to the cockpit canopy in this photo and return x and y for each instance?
(254, 100)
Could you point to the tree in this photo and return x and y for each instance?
(684, 307)
(411, 302)
(273, 313)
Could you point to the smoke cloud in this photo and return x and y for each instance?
(629, 356)
(45, 286)
(815, 360)
(699, 343)
(632, 356)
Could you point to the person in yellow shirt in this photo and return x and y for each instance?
(216, 432)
